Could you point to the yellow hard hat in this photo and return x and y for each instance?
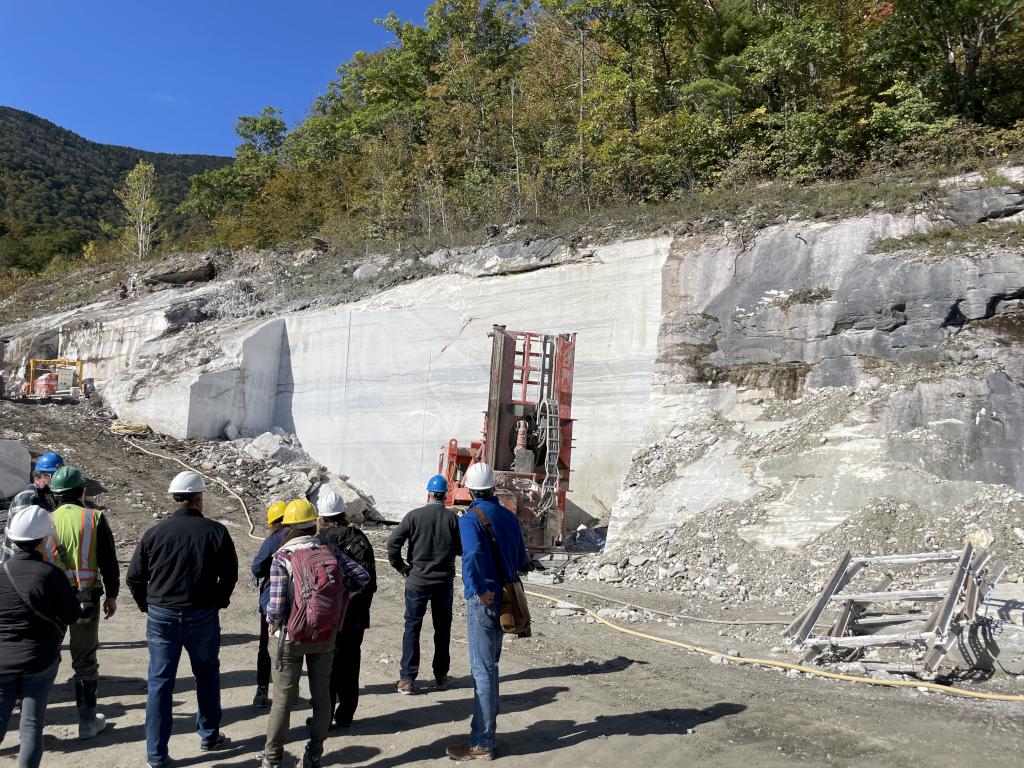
(275, 512)
(299, 511)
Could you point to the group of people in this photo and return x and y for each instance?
(316, 579)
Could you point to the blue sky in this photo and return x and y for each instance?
(174, 76)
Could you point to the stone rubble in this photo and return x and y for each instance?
(273, 466)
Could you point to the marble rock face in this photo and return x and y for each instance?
(374, 388)
(783, 380)
(15, 463)
(804, 374)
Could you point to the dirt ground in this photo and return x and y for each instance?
(575, 694)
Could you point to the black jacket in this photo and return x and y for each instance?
(28, 643)
(433, 535)
(185, 563)
(353, 542)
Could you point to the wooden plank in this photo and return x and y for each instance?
(943, 614)
(852, 611)
(851, 572)
(889, 597)
(946, 556)
(895, 618)
(885, 666)
(800, 632)
(867, 641)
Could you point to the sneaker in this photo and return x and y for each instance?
(461, 752)
(406, 687)
(262, 698)
(219, 741)
(308, 761)
(442, 682)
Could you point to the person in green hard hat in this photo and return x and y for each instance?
(83, 548)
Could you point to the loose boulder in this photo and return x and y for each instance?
(15, 463)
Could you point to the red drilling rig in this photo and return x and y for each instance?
(527, 437)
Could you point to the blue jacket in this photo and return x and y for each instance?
(479, 572)
(261, 566)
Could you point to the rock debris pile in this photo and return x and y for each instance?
(273, 466)
(705, 560)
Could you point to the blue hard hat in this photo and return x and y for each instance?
(437, 484)
(49, 462)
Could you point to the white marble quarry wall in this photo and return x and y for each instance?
(374, 389)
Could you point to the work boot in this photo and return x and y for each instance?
(90, 722)
(461, 752)
(406, 687)
(262, 699)
(341, 720)
(215, 742)
(308, 761)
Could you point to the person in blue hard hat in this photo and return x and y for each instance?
(432, 534)
(46, 465)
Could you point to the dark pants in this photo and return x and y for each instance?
(167, 633)
(263, 655)
(345, 673)
(84, 640)
(440, 599)
(34, 691)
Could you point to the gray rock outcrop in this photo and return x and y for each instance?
(802, 376)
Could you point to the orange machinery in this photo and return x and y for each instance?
(527, 437)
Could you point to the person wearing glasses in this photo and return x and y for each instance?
(46, 466)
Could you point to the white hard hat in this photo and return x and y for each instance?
(23, 499)
(30, 524)
(330, 504)
(187, 482)
(480, 477)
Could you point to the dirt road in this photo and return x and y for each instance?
(576, 695)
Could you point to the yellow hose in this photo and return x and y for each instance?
(245, 509)
(799, 667)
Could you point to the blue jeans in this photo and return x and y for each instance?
(34, 691)
(167, 632)
(484, 632)
(440, 599)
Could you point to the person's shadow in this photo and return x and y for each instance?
(548, 735)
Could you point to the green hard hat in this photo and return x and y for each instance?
(66, 479)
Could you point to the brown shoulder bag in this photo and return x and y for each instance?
(513, 611)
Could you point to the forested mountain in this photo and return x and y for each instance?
(498, 110)
(56, 187)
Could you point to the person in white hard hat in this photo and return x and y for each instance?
(37, 604)
(181, 575)
(334, 529)
(493, 552)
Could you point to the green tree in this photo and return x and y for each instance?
(141, 210)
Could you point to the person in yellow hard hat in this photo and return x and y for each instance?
(305, 622)
(261, 577)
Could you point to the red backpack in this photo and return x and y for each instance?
(319, 598)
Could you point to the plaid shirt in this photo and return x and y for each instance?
(279, 609)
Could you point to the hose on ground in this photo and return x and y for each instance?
(680, 616)
(132, 428)
(241, 501)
